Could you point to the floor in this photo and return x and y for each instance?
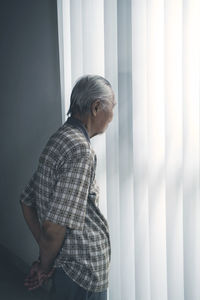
(11, 282)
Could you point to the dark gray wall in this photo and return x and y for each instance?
(30, 109)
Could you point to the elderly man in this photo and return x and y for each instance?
(61, 202)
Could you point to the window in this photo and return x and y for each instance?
(148, 160)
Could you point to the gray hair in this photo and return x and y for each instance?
(87, 89)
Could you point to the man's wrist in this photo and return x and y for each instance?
(45, 267)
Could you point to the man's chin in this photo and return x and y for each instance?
(98, 133)
(94, 135)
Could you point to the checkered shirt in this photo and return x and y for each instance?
(63, 190)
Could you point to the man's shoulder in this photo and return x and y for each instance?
(67, 141)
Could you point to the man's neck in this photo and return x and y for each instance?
(86, 121)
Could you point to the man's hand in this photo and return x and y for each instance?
(50, 242)
(37, 276)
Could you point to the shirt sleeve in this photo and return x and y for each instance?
(28, 194)
(69, 198)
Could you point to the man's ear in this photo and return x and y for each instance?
(95, 107)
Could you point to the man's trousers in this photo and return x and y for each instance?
(64, 288)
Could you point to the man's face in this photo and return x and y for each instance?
(105, 116)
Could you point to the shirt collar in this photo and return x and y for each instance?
(78, 124)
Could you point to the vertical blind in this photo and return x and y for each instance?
(148, 159)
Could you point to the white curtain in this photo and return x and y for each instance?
(148, 160)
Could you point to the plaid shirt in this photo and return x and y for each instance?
(63, 190)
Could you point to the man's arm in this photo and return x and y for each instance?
(49, 238)
(30, 215)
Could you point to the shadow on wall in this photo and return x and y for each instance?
(12, 273)
(30, 108)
